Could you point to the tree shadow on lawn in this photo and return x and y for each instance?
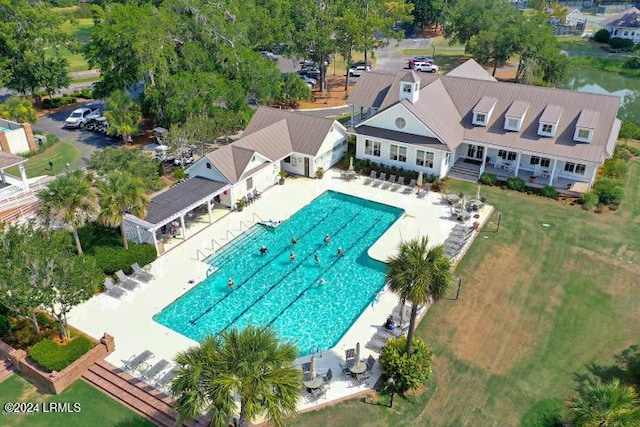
(626, 368)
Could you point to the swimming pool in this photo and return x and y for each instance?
(309, 303)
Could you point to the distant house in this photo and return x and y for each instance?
(274, 140)
(625, 25)
(16, 138)
(465, 123)
(574, 17)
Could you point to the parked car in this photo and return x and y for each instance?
(269, 55)
(427, 67)
(309, 80)
(415, 59)
(358, 68)
(310, 71)
(81, 116)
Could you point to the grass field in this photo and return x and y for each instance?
(60, 154)
(447, 59)
(579, 43)
(538, 304)
(96, 409)
(80, 30)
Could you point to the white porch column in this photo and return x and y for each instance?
(138, 234)
(593, 176)
(552, 176)
(184, 228)
(209, 211)
(2, 177)
(518, 154)
(23, 175)
(484, 160)
(155, 241)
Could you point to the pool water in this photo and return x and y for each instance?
(309, 303)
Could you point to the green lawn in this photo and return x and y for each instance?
(96, 408)
(60, 154)
(80, 30)
(538, 304)
(447, 59)
(578, 43)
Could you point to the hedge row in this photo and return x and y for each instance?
(518, 184)
(58, 102)
(55, 357)
(111, 258)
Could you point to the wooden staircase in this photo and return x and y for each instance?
(465, 171)
(134, 393)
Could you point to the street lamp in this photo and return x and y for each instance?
(392, 387)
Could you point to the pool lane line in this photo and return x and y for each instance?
(300, 264)
(317, 278)
(194, 320)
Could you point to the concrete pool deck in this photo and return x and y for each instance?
(130, 319)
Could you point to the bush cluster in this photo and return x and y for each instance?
(113, 258)
(516, 183)
(4, 325)
(408, 373)
(488, 179)
(55, 357)
(602, 36)
(550, 192)
(58, 102)
(620, 43)
(85, 93)
(629, 130)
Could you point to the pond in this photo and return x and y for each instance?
(596, 81)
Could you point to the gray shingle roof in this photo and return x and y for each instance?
(464, 93)
(183, 195)
(628, 18)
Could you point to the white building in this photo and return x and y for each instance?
(625, 25)
(466, 123)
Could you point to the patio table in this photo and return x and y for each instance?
(313, 383)
(357, 368)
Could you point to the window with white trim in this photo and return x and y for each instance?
(542, 161)
(479, 119)
(546, 129)
(372, 148)
(583, 135)
(507, 155)
(512, 123)
(424, 158)
(447, 157)
(398, 153)
(406, 87)
(578, 168)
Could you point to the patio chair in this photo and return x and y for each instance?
(328, 377)
(140, 274)
(306, 367)
(400, 183)
(372, 177)
(136, 361)
(319, 392)
(153, 371)
(126, 282)
(382, 178)
(165, 380)
(350, 354)
(421, 193)
(112, 290)
(388, 184)
(345, 371)
(411, 187)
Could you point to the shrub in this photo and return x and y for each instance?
(620, 43)
(589, 200)
(4, 325)
(602, 36)
(488, 179)
(320, 172)
(516, 183)
(608, 191)
(436, 186)
(408, 373)
(549, 192)
(111, 258)
(55, 357)
(615, 168)
(180, 174)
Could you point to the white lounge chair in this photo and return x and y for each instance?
(411, 187)
(125, 281)
(399, 183)
(135, 362)
(153, 371)
(140, 274)
(382, 178)
(165, 380)
(372, 177)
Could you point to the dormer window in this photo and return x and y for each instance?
(585, 126)
(407, 87)
(549, 120)
(512, 123)
(482, 111)
(514, 116)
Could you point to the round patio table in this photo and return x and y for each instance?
(358, 368)
(313, 383)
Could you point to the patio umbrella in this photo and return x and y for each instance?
(419, 181)
(478, 193)
(312, 368)
(357, 352)
(351, 163)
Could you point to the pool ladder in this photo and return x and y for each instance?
(314, 353)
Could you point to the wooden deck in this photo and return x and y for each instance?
(137, 395)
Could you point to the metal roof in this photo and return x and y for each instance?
(7, 160)
(485, 105)
(188, 193)
(551, 114)
(393, 135)
(471, 70)
(517, 109)
(588, 119)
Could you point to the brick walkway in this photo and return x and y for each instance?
(134, 393)
(6, 369)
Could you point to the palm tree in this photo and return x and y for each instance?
(599, 404)
(253, 364)
(121, 192)
(418, 274)
(69, 200)
(123, 115)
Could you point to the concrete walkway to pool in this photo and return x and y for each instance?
(130, 319)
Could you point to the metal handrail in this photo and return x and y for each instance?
(255, 215)
(198, 253)
(213, 248)
(227, 235)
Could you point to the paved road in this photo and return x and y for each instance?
(86, 141)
